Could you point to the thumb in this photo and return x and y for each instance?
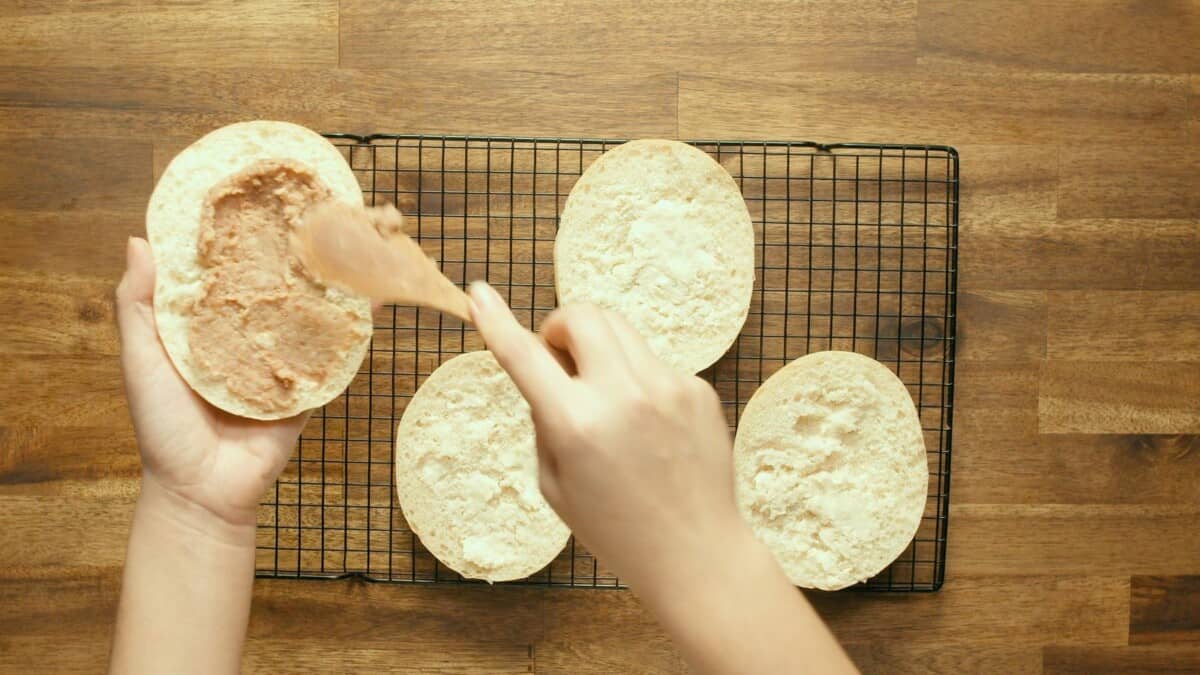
(135, 296)
(141, 351)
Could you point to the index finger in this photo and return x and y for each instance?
(537, 374)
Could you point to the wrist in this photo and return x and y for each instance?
(735, 610)
(174, 515)
(186, 588)
(707, 558)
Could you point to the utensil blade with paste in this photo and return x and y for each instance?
(364, 249)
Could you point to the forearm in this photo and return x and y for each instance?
(735, 612)
(185, 594)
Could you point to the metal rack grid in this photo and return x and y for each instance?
(856, 249)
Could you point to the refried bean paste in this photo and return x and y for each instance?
(262, 323)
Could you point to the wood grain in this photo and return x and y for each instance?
(74, 174)
(628, 35)
(62, 244)
(1076, 467)
(1002, 325)
(917, 659)
(1129, 325)
(92, 395)
(223, 33)
(983, 108)
(1096, 254)
(64, 532)
(52, 602)
(377, 627)
(81, 455)
(1093, 182)
(1164, 609)
(60, 315)
(1194, 107)
(389, 656)
(986, 389)
(176, 103)
(1002, 186)
(1084, 539)
(1139, 660)
(58, 654)
(1119, 396)
(987, 611)
(590, 629)
(466, 613)
(1103, 36)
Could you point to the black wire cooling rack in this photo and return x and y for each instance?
(856, 249)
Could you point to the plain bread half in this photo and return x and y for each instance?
(831, 470)
(658, 232)
(467, 474)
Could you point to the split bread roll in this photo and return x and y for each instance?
(248, 328)
(467, 474)
(831, 469)
(658, 232)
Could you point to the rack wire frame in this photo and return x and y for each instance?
(856, 249)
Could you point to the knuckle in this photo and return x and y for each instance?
(657, 390)
(704, 392)
(701, 386)
(676, 393)
(640, 403)
(556, 315)
(585, 309)
(565, 320)
(619, 321)
(586, 315)
(585, 424)
(570, 313)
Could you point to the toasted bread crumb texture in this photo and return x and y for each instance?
(466, 473)
(831, 468)
(657, 231)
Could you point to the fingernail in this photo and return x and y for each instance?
(485, 297)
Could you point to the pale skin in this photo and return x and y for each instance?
(635, 458)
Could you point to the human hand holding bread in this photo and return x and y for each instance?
(185, 596)
(206, 458)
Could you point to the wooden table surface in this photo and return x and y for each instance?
(1074, 544)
